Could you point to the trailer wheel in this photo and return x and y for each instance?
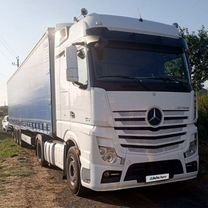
(15, 136)
(73, 172)
(40, 152)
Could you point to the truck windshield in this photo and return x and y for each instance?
(141, 68)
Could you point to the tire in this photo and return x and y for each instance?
(40, 152)
(15, 136)
(73, 173)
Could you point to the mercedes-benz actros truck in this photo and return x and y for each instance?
(109, 100)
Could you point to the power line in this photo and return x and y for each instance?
(10, 51)
(7, 46)
(7, 57)
(3, 74)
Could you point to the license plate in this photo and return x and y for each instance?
(160, 177)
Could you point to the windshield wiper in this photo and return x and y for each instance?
(138, 80)
(166, 79)
(118, 76)
(184, 84)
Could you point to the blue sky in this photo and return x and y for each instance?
(24, 21)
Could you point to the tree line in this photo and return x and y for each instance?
(3, 110)
(198, 55)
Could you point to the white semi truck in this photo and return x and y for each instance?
(109, 100)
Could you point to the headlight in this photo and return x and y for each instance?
(108, 154)
(192, 148)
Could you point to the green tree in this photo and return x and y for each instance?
(198, 55)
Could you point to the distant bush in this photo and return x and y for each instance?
(203, 134)
(203, 117)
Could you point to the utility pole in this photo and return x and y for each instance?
(17, 63)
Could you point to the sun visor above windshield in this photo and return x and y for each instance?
(136, 38)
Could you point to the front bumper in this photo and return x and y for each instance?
(96, 173)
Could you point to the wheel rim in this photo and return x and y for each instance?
(72, 172)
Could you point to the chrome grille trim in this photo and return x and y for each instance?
(175, 118)
(170, 122)
(150, 128)
(153, 151)
(151, 137)
(130, 119)
(174, 112)
(129, 114)
(150, 142)
(151, 147)
(149, 133)
(131, 123)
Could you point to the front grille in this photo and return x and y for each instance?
(150, 147)
(139, 171)
(136, 134)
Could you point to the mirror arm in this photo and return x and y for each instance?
(82, 43)
(81, 86)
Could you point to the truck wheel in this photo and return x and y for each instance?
(40, 153)
(73, 172)
(19, 138)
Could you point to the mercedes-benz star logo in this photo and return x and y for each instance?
(154, 116)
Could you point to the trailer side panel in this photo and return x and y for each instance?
(29, 97)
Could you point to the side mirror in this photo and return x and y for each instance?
(71, 63)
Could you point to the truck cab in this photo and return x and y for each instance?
(124, 94)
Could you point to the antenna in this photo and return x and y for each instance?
(139, 14)
(176, 25)
(84, 13)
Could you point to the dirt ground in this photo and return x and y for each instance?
(36, 187)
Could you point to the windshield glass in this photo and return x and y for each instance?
(161, 69)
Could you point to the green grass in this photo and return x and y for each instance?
(13, 159)
(8, 148)
(14, 163)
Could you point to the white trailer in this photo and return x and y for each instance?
(108, 100)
